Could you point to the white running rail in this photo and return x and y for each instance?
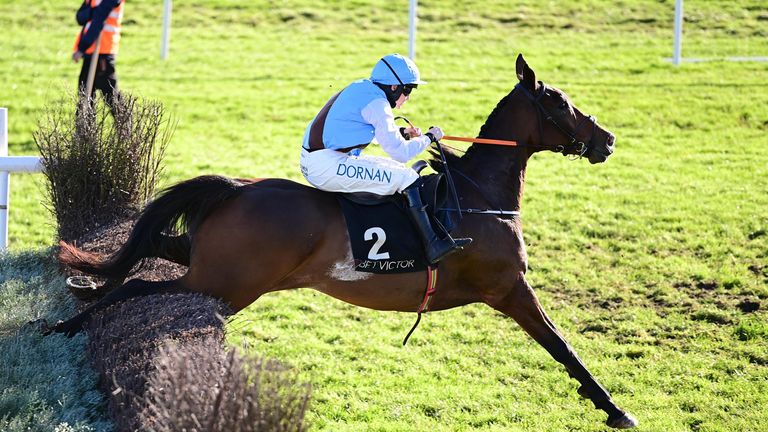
(9, 164)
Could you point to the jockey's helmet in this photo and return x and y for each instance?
(395, 69)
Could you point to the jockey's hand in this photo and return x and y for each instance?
(77, 55)
(435, 133)
(413, 132)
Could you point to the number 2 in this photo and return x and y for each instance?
(381, 237)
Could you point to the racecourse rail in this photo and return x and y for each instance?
(9, 164)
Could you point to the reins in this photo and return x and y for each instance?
(580, 147)
(481, 140)
(449, 178)
(452, 186)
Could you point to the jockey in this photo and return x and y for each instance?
(349, 121)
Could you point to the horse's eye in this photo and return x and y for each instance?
(563, 105)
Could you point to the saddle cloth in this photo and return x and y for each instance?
(382, 237)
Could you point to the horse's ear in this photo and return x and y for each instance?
(525, 74)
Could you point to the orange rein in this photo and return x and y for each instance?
(481, 140)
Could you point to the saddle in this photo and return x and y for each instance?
(382, 236)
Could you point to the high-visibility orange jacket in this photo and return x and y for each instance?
(99, 16)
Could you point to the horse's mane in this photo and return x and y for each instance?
(493, 114)
(456, 160)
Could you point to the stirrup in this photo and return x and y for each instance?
(454, 246)
(461, 242)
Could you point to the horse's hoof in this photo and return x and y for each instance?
(83, 287)
(627, 421)
(68, 328)
(40, 325)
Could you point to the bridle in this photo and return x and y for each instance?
(574, 147)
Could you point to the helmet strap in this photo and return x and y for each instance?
(392, 96)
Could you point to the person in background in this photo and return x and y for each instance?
(99, 17)
(331, 158)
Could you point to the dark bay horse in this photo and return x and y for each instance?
(241, 240)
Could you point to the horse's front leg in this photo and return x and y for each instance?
(133, 288)
(523, 306)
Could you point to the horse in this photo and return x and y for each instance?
(243, 239)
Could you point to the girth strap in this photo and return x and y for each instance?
(424, 307)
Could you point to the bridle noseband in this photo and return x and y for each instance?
(574, 146)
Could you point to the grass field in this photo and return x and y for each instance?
(652, 264)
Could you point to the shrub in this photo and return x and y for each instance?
(163, 364)
(100, 164)
(199, 387)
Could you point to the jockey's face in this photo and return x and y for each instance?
(402, 99)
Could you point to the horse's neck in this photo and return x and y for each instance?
(501, 174)
(501, 170)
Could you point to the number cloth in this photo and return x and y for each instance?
(382, 237)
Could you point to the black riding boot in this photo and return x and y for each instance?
(435, 247)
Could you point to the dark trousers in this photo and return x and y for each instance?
(105, 79)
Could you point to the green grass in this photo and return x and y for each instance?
(643, 262)
(46, 383)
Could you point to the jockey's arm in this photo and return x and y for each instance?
(387, 134)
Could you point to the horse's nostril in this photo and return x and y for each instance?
(611, 140)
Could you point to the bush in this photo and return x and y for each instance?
(197, 387)
(163, 364)
(104, 165)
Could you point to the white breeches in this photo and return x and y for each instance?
(334, 171)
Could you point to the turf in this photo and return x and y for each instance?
(654, 265)
(46, 383)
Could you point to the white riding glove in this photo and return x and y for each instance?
(435, 133)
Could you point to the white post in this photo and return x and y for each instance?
(5, 178)
(677, 55)
(166, 30)
(7, 166)
(412, 31)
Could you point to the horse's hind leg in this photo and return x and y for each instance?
(175, 249)
(133, 288)
(522, 304)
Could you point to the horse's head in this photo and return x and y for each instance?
(561, 126)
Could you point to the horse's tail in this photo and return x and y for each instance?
(179, 209)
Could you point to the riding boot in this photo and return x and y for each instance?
(435, 247)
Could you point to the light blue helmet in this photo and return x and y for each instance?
(395, 69)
